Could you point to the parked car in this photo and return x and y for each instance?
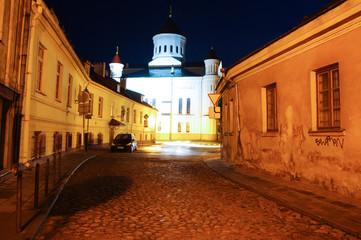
(125, 142)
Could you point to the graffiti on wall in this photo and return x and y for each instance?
(330, 141)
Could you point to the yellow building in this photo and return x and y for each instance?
(291, 108)
(55, 77)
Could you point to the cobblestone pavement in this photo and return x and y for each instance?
(113, 198)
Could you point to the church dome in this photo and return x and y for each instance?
(170, 27)
(116, 59)
(212, 54)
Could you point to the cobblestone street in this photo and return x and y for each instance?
(118, 198)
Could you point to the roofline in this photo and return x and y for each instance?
(325, 9)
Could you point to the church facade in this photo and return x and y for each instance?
(178, 89)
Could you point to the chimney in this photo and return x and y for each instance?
(99, 68)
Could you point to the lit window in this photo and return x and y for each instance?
(179, 127)
(328, 103)
(188, 126)
(128, 112)
(59, 76)
(40, 68)
(271, 99)
(188, 106)
(100, 107)
(70, 89)
(180, 106)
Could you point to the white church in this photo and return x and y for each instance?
(179, 90)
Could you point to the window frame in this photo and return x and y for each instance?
(188, 106)
(40, 75)
(180, 106)
(100, 107)
(70, 90)
(58, 82)
(268, 88)
(330, 98)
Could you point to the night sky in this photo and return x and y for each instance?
(234, 28)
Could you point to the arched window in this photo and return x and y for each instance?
(160, 49)
(165, 48)
(188, 127)
(188, 105)
(176, 49)
(171, 48)
(180, 106)
(179, 127)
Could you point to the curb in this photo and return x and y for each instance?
(57, 196)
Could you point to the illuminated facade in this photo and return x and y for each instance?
(179, 90)
(55, 76)
(288, 106)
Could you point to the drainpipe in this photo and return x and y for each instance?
(28, 79)
(19, 101)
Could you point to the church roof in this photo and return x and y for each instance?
(212, 54)
(116, 59)
(170, 27)
(166, 72)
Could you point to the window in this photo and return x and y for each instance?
(59, 76)
(165, 48)
(328, 98)
(90, 138)
(128, 112)
(100, 138)
(140, 117)
(122, 113)
(100, 107)
(154, 102)
(40, 68)
(179, 127)
(271, 99)
(171, 48)
(91, 104)
(188, 126)
(160, 49)
(176, 49)
(69, 140)
(180, 106)
(39, 144)
(188, 106)
(135, 116)
(70, 89)
(230, 116)
(78, 140)
(57, 142)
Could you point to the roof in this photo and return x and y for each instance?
(116, 59)
(112, 85)
(212, 54)
(333, 4)
(170, 27)
(165, 72)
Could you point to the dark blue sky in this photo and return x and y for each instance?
(234, 28)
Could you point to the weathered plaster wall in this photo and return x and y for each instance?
(332, 159)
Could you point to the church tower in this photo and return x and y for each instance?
(212, 63)
(116, 67)
(169, 45)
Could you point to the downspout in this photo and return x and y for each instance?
(28, 79)
(19, 101)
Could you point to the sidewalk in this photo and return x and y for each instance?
(336, 210)
(31, 217)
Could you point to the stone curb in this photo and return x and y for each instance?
(57, 196)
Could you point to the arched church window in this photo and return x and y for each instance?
(176, 49)
(171, 48)
(160, 48)
(165, 48)
(188, 105)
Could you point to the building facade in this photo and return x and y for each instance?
(291, 107)
(179, 90)
(55, 77)
(14, 30)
